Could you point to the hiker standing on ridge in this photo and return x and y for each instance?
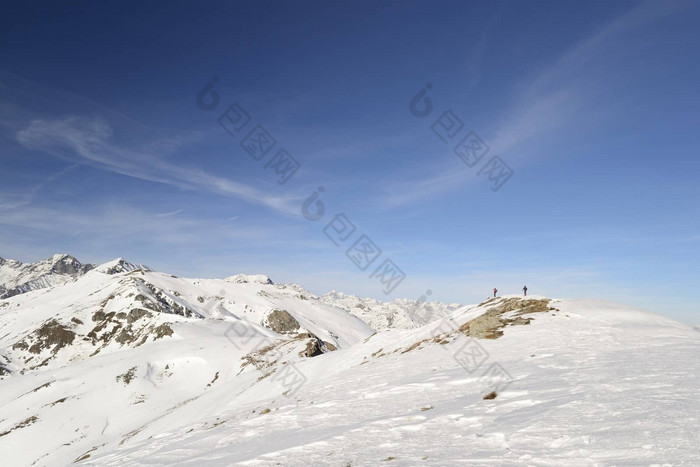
(525, 290)
(495, 291)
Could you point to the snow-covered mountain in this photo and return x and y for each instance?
(400, 313)
(17, 277)
(127, 366)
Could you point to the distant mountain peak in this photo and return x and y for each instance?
(17, 277)
(398, 313)
(120, 265)
(249, 278)
(61, 256)
(67, 264)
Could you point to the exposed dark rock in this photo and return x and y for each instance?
(20, 345)
(490, 325)
(216, 376)
(52, 335)
(161, 303)
(329, 347)
(45, 385)
(136, 314)
(4, 293)
(281, 322)
(415, 345)
(313, 348)
(128, 376)
(316, 346)
(125, 336)
(162, 331)
(20, 425)
(68, 265)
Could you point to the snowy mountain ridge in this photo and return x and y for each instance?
(400, 313)
(128, 366)
(119, 265)
(17, 277)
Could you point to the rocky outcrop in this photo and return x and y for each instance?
(126, 328)
(52, 336)
(503, 313)
(160, 301)
(315, 347)
(130, 328)
(281, 322)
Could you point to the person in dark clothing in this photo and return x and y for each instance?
(525, 290)
(495, 291)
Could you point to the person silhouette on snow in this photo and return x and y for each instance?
(525, 290)
(495, 291)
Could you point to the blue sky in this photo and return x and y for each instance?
(594, 106)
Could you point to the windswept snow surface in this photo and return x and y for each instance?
(577, 382)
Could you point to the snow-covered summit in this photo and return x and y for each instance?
(249, 278)
(400, 313)
(17, 277)
(119, 265)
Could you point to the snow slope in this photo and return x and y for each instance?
(576, 382)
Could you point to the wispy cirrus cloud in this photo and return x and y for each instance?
(168, 214)
(19, 197)
(90, 141)
(409, 191)
(559, 93)
(116, 222)
(555, 99)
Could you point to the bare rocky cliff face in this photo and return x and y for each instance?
(18, 278)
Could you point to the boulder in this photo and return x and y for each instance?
(281, 322)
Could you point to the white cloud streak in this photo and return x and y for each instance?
(89, 141)
(548, 103)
